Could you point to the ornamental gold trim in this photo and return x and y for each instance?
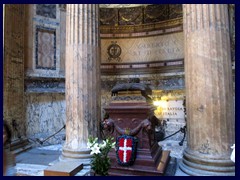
(140, 28)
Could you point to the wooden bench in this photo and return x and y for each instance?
(63, 168)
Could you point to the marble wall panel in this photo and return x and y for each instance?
(46, 10)
(45, 48)
(172, 127)
(45, 114)
(44, 42)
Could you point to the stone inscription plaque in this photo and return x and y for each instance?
(146, 49)
(170, 109)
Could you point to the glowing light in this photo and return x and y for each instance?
(160, 103)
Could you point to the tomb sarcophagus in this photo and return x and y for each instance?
(131, 114)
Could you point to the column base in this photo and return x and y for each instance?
(199, 166)
(83, 156)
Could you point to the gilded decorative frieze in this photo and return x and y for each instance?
(130, 16)
(140, 18)
(156, 13)
(108, 16)
(104, 29)
(175, 11)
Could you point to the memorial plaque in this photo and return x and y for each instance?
(172, 109)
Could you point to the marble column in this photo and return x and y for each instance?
(82, 80)
(209, 92)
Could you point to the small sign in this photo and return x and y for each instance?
(169, 109)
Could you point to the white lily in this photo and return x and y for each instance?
(113, 144)
(95, 149)
(103, 145)
(232, 157)
(89, 145)
(95, 140)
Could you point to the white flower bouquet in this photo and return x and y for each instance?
(100, 162)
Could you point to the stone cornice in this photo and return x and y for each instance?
(141, 28)
(44, 85)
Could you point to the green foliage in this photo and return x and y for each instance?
(100, 162)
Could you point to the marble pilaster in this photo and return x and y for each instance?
(209, 102)
(13, 69)
(3, 21)
(82, 80)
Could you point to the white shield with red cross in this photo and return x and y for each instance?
(126, 149)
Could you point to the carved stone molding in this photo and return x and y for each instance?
(142, 68)
(44, 85)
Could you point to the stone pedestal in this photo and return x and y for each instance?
(138, 119)
(209, 92)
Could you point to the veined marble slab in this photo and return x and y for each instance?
(56, 147)
(29, 169)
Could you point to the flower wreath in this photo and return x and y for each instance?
(126, 150)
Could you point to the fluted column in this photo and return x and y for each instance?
(209, 100)
(82, 79)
